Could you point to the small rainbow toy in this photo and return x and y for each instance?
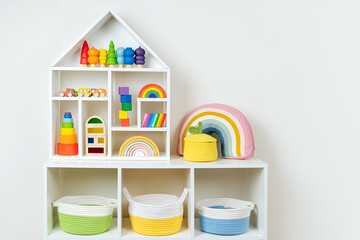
(228, 123)
(152, 91)
(139, 146)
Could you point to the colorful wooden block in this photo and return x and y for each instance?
(68, 139)
(125, 98)
(123, 114)
(67, 125)
(67, 120)
(67, 149)
(126, 106)
(67, 131)
(125, 122)
(123, 90)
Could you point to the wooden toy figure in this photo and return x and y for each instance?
(128, 57)
(84, 54)
(120, 56)
(139, 57)
(102, 57)
(93, 57)
(111, 57)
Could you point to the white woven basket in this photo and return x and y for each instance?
(156, 206)
(78, 205)
(234, 208)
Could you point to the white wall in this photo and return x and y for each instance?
(292, 67)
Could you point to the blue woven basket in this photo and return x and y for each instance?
(224, 216)
(224, 226)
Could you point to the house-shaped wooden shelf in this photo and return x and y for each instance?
(67, 72)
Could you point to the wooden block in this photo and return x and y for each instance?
(123, 90)
(67, 149)
(125, 99)
(125, 122)
(67, 125)
(123, 114)
(126, 106)
(67, 131)
(95, 150)
(68, 139)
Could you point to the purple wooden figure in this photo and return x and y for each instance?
(139, 57)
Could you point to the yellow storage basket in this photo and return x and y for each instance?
(156, 227)
(200, 148)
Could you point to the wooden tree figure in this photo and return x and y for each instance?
(139, 57)
(103, 57)
(111, 58)
(93, 57)
(84, 54)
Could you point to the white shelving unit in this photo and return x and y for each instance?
(107, 175)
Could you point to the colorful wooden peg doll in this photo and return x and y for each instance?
(128, 57)
(93, 58)
(102, 57)
(139, 57)
(120, 56)
(84, 55)
(111, 57)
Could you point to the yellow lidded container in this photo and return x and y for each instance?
(200, 148)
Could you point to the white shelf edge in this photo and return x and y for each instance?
(152, 99)
(136, 129)
(79, 99)
(98, 69)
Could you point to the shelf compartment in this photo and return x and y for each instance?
(135, 82)
(155, 181)
(78, 79)
(119, 137)
(58, 109)
(79, 181)
(240, 183)
(151, 107)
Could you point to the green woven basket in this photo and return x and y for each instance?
(85, 215)
(80, 225)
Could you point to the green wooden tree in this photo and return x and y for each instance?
(111, 57)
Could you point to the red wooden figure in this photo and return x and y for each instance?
(84, 55)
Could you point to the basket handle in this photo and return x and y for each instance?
(113, 202)
(183, 196)
(128, 196)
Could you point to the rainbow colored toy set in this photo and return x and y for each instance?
(121, 57)
(68, 141)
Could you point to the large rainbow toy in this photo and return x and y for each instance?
(152, 91)
(228, 123)
(139, 146)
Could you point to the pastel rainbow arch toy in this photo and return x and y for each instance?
(228, 123)
(152, 91)
(139, 146)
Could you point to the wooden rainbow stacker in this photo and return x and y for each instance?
(68, 141)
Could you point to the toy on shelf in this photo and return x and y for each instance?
(228, 123)
(84, 55)
(128, 57)
(139, 57)
(102, 57)
(152, 91)
(139, 146)
(199, 147)
(126, 106)
(68, 141)
(100, 92)
(69, 92)
(84, 92)
(120, 56)
(111, 57)
(95, 136)
(93, 58)
(154, 120)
